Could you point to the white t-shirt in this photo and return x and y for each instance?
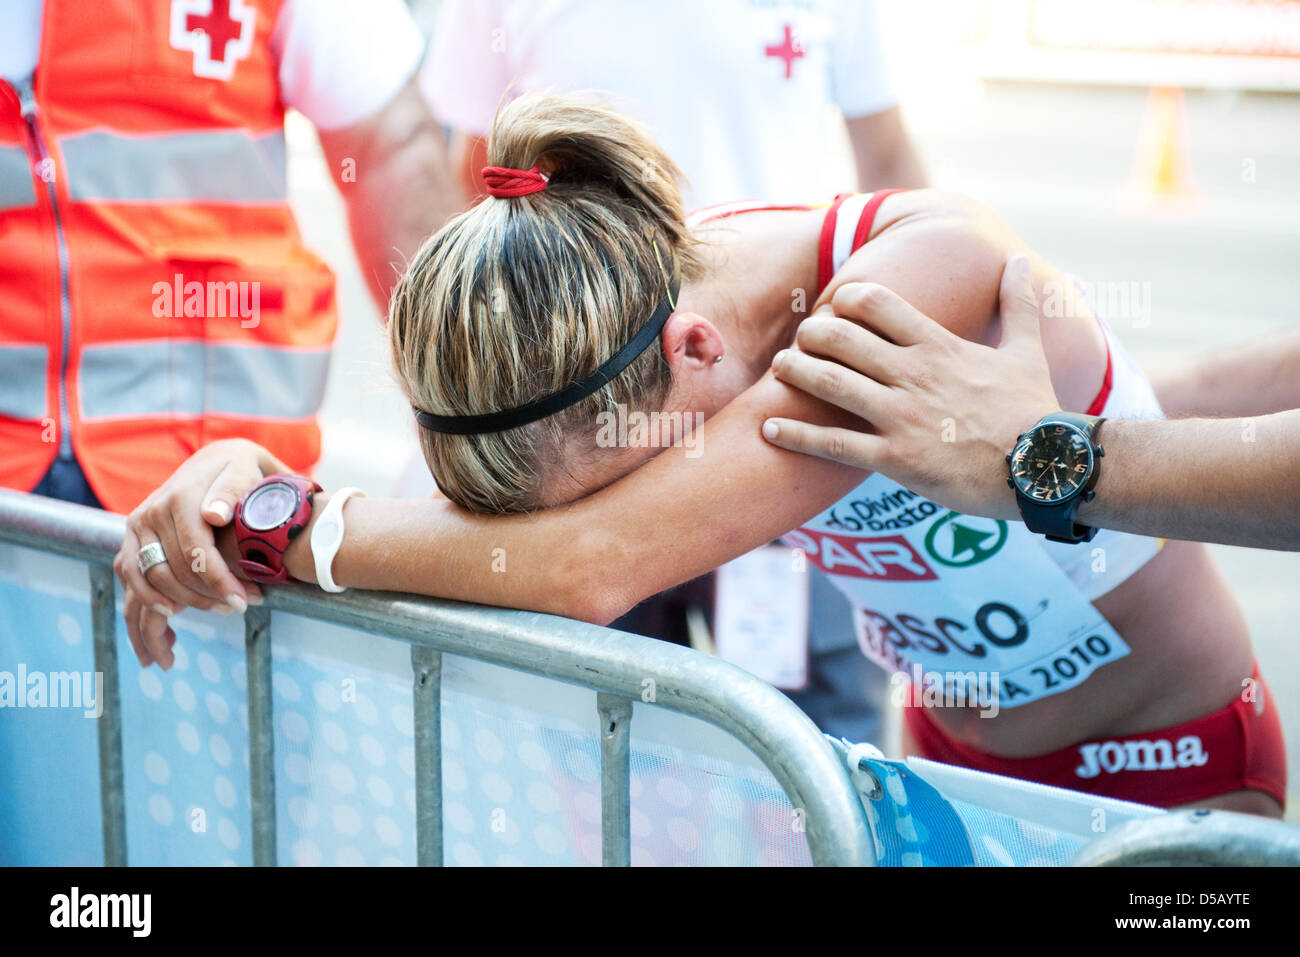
(339, 61)
(746, 95)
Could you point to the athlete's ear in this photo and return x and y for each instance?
(691, 343)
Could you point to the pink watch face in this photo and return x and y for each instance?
(270, 506)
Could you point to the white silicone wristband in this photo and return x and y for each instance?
(327, 537)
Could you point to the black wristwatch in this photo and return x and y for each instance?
(1054, 467)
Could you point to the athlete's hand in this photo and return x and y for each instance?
(183, 515)
(943, 412)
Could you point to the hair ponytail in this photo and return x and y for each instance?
(587, 149)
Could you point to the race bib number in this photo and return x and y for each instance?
(760, 616)
(949, 598)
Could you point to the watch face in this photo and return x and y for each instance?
(270, 506)
(1051, 463)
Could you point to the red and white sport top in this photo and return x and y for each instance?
(845, 230)
(939, 593)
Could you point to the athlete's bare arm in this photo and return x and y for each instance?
(676, 516)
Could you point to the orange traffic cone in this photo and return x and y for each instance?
(1162, 169)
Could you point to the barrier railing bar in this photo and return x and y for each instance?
(426, 697)
(615, 780)
(261, 735)
(112, 776)
(754, 713)
(1201, 838)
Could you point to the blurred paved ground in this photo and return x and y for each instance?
(1052, 161)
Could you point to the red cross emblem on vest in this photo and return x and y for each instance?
(218, 32)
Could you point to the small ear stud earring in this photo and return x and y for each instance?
(717, 359)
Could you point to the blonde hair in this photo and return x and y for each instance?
(518, 298)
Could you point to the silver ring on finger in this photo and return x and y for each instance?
(151, 555)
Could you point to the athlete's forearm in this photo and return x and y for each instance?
(1233, 481)
(678, 516)
(434, 548)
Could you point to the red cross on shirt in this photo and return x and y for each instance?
(787, 50)
(220, 27)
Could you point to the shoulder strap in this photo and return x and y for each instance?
(846, 230)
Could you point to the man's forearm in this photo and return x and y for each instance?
(395, 176)
(1233, 481)
(902, 170)
(1256, 378)
(885, 155)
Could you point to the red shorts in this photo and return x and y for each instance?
(1235, 748)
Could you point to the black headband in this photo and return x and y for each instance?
(570, 395)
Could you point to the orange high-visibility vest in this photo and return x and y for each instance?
(155, 294)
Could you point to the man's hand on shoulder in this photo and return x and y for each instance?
(939, 412)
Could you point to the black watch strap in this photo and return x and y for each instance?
(1056, 522)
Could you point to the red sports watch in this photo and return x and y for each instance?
(267, 520)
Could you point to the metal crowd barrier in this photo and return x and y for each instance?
(613, 664)
(1196, 839)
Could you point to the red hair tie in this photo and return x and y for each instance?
(507, 183)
